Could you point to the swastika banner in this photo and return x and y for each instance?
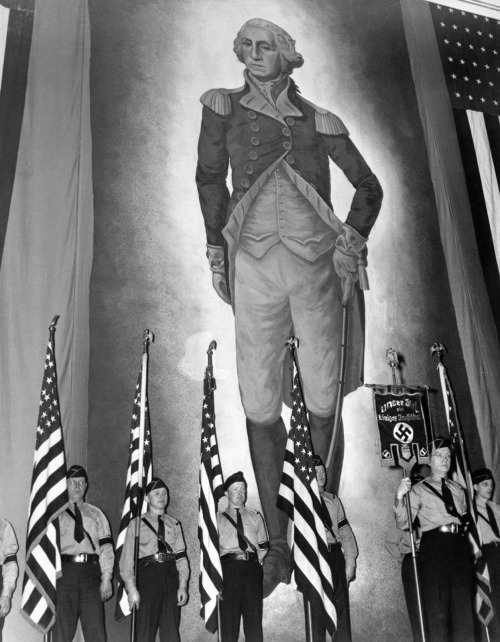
(401, 425)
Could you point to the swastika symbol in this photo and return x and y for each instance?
(403, 432)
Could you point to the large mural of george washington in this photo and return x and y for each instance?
(281, 257)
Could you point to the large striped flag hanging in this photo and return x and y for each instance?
(483, 606)
(133, 506)
(300, 499)
(48, 499)
(211, 489)
(469, 46)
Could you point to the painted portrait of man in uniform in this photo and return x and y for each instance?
(280, 255)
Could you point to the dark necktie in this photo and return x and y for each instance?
(242, 543)
(492, 521)
(79, 532)
(326, 515)
(448, 499)
(161, 532)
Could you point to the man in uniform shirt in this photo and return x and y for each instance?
(243, 545)
(87, 565)
(444, 561)
(10, 571)
(488, 525)
(280, 256)
(398, 544)
(160, 588)
(342, 555)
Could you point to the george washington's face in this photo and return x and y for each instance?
(261, 55)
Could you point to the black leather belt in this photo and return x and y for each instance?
(332, 545)
(158, 557)
(495, 544)
(456, 529)
(82, 558)
(242, 557)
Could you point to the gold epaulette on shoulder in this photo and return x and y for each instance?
(218, 100)
(326, 122)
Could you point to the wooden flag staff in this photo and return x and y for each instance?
(147, 339)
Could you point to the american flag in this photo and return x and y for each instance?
(131, 508)
(48, 499)
(300, 499)
(482, 600)
(211, 490)
(469, 46)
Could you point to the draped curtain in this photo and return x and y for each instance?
(475, 319)
(47, 255)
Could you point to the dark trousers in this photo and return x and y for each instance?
(241, 597)
(410, 590)
(340, 600)
(446, 574)
(491, 555)
(158, 584)
(79, 596)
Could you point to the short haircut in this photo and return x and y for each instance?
(290, 59)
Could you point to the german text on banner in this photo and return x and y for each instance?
(401, 425)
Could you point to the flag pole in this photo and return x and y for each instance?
(292, 343)
(414, 562)
(457, 437)
(449, 402)
(393, 361)
(211, 385)
(146, 340)
(52, 329)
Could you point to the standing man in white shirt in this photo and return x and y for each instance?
(87, 565)
(10, 570)
(488, 524)
(342, 554)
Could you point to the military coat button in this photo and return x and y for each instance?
(290, 159)
(248, 169)
(252, 115)
(287, 145)
(255, 127)
(286, 131)
(245, 183)
(240, 195)
(253, 155)
(290, 121)
(255, 140)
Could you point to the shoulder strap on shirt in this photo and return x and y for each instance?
(251, 544)
(72, 515)
(452, 509)
(160, 538)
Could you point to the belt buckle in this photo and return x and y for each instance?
(454, 528)
(80, 557)
(246, 555)
(161, 557)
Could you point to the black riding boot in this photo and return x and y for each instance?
(267, 448)
(321, 437)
